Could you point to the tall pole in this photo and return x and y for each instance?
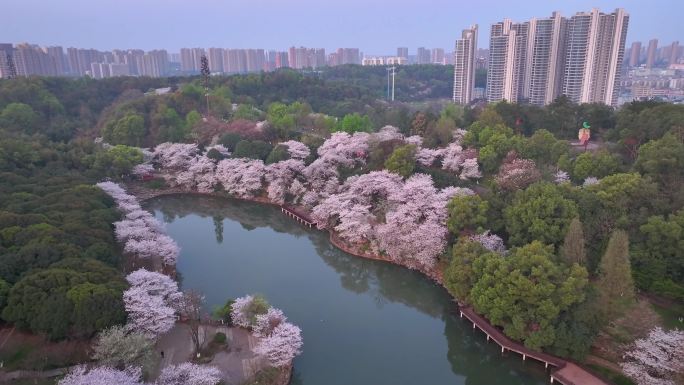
(393, 73)
(388, 83)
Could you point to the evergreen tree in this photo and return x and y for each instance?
(573, 245)
(615, 283)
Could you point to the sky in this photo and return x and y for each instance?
(374, 26)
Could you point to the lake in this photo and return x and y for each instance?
(363, 322)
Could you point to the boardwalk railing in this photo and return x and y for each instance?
(297, 215)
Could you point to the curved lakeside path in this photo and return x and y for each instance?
(564, 372)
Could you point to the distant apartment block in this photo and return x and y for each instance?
(540, 59)
(464, 66)
(384, 60)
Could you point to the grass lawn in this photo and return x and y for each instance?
(670, 316)
(614, 377)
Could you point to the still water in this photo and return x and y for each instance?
(363, 322)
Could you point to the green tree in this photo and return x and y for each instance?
(663, 160)
(4, 293)
(74, 297)
(539, 212)
(118, 160)
(191, 119)
(255, 149)
(355, 122)
(459, 276)
(402, 161)
(578, 327)
(279, 153)
(128, 130)
(172, 128)
(658, 257)
(467, 212)
(223, 313)
(230, 140)
(439, 134)
(572, 250)
(526, 292)
(20, 117)
(597, 165)
(615, 281)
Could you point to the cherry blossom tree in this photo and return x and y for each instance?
(428, 156)
(590, 181)
(199, 175)
(516, 173)
(189, 374)
(344, 149)
(387, 133)
(266, 323)
(143, 169)
(239, 313)
(561, 177)
(657, 359)
(297, 150)
(415, 140)
(489, 241)
(80, 375)
(453, 157)
(415, 230)
(282, 346)
(175, 156)
(142, 234)
(280, 177)
(470, 169)
(241, 177)
(349, 212)
(150, 302)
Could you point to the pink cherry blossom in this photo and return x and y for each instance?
(241, 177)
(175, 156)
(297, 150)
(239, 311)
(282, 346)
(150, 302)
(657, 359)
(491, 242)
(280, 177)
(189, 374)
(470, 169)
(266, 323)
(80, 375)
(516, 174)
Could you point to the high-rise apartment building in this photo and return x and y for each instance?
(306, 57)
(281, 60)
(215, 58)
(464, 66)
(635, 54)
(402, 52)
(508, 44)
(7, 69)
(347, 56)
(191, 59)
(651, 53)
(437, 56)
(596, 48)
(545, 61)
(540, 59)
(423, 56)
(674, 53)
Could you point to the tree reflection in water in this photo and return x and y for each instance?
(469, 356)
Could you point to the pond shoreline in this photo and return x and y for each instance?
(566, 372)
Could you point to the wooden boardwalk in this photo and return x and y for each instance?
(297, 215)
(566, 373)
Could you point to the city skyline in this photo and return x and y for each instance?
(378, 30)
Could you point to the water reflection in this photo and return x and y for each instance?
(387, 325)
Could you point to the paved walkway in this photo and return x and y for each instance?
(237, 363)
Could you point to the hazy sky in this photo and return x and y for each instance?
(375, 26)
